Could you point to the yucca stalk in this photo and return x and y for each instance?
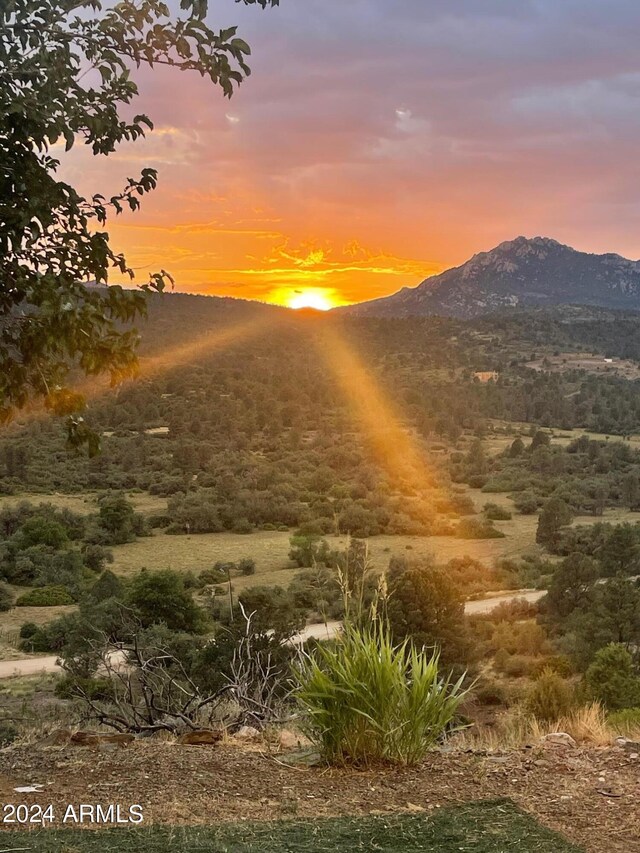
(367, 700)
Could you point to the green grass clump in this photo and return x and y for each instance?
(367, 700)
(483, 827)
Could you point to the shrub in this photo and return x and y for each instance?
(526, 503)
(46, 596)
(513, 666)
(216, 574)
(560, 664)
(368, 700)
(550, 697)
(6, 598)
(426, 606)
(242, 525)
(612, 678)
(107, 586)
(491, 693)
(476, 528)
(247, 566)
(496, 513)
(477, 481)
(27, 630)
(162, 597)
(116, 518)
(96, 557)
(95, 689)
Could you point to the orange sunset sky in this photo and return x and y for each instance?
(379, 142)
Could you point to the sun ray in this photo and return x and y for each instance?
(93, 387)
(395, 447)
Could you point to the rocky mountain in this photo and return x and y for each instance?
(517, 274)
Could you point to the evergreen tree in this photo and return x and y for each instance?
(554, 516)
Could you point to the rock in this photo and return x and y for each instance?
(200, 737)
(247, 733)
(558, 740)
(292, 740)
(98, 738)
(628, 745)
(302, 758)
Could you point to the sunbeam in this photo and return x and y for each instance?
(93, 387)
(393, 445)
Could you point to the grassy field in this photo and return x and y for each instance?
(497, 442)
(12, 620)
(270, 550)
(87, 502)
(490, 827)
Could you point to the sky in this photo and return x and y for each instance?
(378, 142)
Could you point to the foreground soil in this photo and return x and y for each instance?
(590, 796)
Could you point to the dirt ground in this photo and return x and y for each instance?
(589, 795)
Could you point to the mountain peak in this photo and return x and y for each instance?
(529, 244)
(525, 271)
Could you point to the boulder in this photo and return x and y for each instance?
(247, 733)
(560, 740)
(292, 740)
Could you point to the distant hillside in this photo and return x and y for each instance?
(518, 273)
(177, 318)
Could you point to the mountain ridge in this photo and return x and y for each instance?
(519, 273)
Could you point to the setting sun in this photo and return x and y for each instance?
(310, 299)
(318, 298)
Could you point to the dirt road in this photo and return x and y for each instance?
(320, 631)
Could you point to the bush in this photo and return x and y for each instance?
(96, 557)
(560, 664)
(475, 528)
(496, 513)
(247, 566)
(162, 597)
(216, 574)
(526, 503)
(513, 666)
(46, 596)
(491, 693)
(367, 700)
(477, 481)
(6, 598)
(550, 698)
(95, 689)
(242, 525)
(612, 678)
